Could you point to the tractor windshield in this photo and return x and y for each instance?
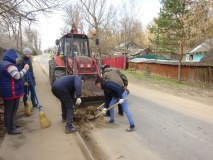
(76, 47)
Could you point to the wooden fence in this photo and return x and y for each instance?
(193, 73)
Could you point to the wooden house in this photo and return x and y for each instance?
(198, 52)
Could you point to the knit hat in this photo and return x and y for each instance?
(27, 51)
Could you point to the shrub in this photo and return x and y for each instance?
(146, 71)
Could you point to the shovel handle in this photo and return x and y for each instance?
(100, 106)
(109, 108)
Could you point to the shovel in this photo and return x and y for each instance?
(100, 106)
(93, 117)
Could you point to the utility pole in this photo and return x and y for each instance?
(156, 45)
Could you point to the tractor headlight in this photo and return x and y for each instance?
(81, 65)
(88, 65)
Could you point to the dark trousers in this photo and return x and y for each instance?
(108, 100)
(66, 104)
(27, 90)
(10, 110)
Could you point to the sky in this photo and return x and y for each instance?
(50, 27)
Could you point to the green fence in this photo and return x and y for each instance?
(151, 57)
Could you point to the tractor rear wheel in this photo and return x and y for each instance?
(52, 66)
(59, 74)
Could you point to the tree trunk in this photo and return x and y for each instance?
(125, 49)
(20, 34)
(180, 62)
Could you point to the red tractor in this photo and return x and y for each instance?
(74, 58)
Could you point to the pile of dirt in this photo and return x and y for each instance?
(85, 122)
(84, 117)
(86, 93)
(85, 114)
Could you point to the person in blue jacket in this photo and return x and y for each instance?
(12, 88)
(119, 94)
(64, 89)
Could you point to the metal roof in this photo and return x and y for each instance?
(207, 45)
(169, 62)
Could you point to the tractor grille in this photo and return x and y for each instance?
(85, 64)
(85, 69)
(84, 59)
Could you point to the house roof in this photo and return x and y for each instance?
(171, 62)
(207, 45)
(134, 52)
(207, 58)
(123, 47)
(128, 43)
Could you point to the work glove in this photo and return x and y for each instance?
(104, 111)
(121, 101)
(78, 101)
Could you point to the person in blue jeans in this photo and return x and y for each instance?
(119, 94)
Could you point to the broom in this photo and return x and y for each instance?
(43, 119)
(27, 110)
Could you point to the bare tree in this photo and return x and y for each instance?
(129, 25)
(130, 28)
(31, 38)
(73, 16)
(98, 17)
(199, 22)
(28, 9)
(15, 13)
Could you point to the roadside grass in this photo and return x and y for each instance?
(191, 88)
(141, 76)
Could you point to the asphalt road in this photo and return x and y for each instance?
(167, 127)
(172, 127)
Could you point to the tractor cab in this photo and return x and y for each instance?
(73, 58)
(71, 45)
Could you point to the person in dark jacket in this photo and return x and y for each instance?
(114, 75)
(12, 88)
(118, 93)
(64, 89)
(28, 85)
